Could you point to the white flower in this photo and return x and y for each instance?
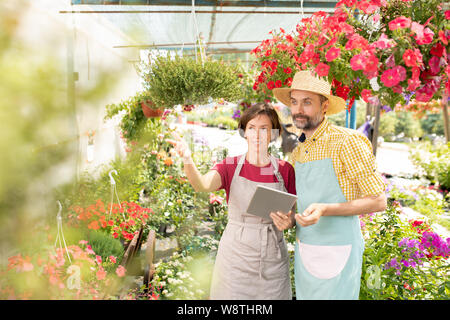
(290, 247)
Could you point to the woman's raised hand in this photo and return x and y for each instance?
(180, 146)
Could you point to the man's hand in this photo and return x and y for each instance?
(282, 220)
(311, 215)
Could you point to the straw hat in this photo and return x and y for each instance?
(305, 80)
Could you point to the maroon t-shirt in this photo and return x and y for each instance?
(227, 167)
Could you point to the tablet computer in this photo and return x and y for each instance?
(267, 200)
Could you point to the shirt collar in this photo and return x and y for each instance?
(320, 130)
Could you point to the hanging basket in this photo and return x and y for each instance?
(149, 112)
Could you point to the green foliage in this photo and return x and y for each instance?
(434, 161)
(133, 122)
(433, 123)
(383, 235)
(184, 277)
(388, 123)
(407, 124)
(104, 245)
(184, 81)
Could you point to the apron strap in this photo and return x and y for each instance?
(240, 164)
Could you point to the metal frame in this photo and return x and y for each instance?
(318, 4)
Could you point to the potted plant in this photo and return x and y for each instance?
(136, 111)
(172, 81)
(150, 110)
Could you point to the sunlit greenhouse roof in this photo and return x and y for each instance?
(225, 26)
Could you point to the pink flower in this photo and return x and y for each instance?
(83, 242)
(376, 17)
(120, 271)
(417, 28)
(413, 84)
(400, 23)
(383, 42)
(434, 64)
(366, 94)
(215, 199)
(390, 77)
(89, 249)
(322, 69)
(98, 259)
(424, 94)
(101, 274)
(426, 38)
(356, 42)
(447, 14)
(357, 62)
(401, 72)
(333, 53)
(112, 259)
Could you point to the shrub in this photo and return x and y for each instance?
(184, 81)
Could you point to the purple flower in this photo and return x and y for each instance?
(236, 114)
(386, 108)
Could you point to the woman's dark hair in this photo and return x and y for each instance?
(256, 110)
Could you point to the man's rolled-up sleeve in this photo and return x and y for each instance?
(360, 165)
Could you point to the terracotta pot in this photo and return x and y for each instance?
(150, 112)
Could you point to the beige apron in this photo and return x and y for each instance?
(252, 260)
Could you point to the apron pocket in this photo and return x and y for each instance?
(324, 262)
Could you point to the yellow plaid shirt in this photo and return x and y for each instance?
(352, 156)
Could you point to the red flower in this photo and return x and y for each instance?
(288, 81)
(268, 53)
(94, 225)
(442, 37)
(447, 14)
(270, 85)
(316, 59)
(390, 77)
(322, 69)
(332, 54)
(371, 64)
(412, 58)
(366, 94)
(278, 83)
(438, 50)
(287, 70)
(434, 64)
(400, 23)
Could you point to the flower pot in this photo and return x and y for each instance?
(150, 112)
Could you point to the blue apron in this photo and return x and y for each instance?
(328, 255)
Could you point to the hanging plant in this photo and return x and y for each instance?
(171, 81)
(150, 110)
(382, 51)
(134, 117)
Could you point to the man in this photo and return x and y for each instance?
(336, 180)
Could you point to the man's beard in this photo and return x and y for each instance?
(311, 122)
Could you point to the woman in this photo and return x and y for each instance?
(252, 260)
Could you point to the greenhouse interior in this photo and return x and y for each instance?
(137, 136)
